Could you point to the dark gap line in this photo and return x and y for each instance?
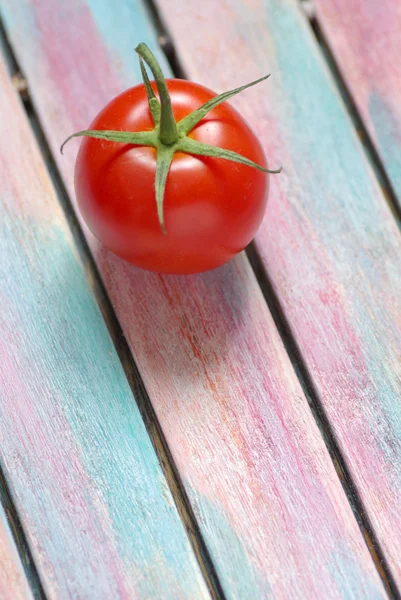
(390, 196)
(292, 349)
(306, 380)
(7, 52)
(20, 540)
(368, 144)
(131, 370)
(164, 39)
(298, 363)
(6, 498)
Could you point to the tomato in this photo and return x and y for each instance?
(212, 206)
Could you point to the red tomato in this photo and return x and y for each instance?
(212, 206)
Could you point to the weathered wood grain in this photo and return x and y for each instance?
(252, 460)
(329, 242)
(365, 38)
(96, 509)
(13, 583)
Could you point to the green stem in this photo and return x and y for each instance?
(168, 127)
(190, 146)
(138, 138)
(163, 162)
(167, 137)
(153, 102)
(186, 124)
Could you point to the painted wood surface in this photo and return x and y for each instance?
(365, 38)
(96, 509)
(329, 242)
(13, 583)
(252, 460)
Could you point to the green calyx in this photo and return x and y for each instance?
(168, 136)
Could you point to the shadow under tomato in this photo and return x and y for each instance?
(210, 309)
(178, 324)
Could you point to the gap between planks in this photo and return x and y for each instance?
(137, 385)
(356, 119)
(322, 421)
(6, 500)
(20, 540)
(276, 310)
(352, 493)
(140, 394)
(307, 7)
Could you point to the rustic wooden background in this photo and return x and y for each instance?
(235, 434)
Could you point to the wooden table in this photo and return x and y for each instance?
(230, 435)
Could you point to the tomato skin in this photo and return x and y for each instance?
(213, 207)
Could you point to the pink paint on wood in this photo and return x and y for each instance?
(96, 509)
(329, 242)
(262, 485)
(366, 41)
(13, 583)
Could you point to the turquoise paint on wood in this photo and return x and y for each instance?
(258, 476)
(93, 501)
(329, 242)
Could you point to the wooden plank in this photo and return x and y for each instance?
(252, 460)
(329, 242)
(366, 41)
(13, 583)
(96, 509)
